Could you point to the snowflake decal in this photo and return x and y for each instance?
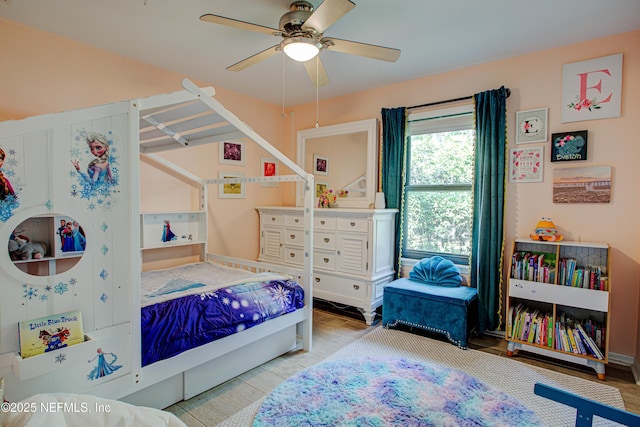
(61, 288)
(29, 292)
(61, 358)
(281, 295)
(73, 281)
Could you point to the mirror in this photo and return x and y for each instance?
(342, 158)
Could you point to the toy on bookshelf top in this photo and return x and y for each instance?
(38, 336)
(546, 231)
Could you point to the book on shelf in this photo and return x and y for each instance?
(533, 266)
(587, 277)
(38, 336)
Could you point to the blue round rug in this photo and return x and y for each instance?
(389, 392)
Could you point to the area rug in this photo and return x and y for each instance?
(388, 391)
(510, 376)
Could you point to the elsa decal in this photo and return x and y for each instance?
(103, 368)
(98, 184)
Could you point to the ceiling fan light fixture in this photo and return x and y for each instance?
(300, 49)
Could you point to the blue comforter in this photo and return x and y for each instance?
(174, 326)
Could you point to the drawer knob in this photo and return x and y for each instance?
(296, 220)
(317, 280)
(326, 240)
(273, 218)
(322, 222)
(353, 224)
(292, 255)
(356, 287)
(293, 236)
(326, 260)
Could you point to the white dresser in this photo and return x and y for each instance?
(352, 251)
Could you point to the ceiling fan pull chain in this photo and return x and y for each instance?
(317, 62)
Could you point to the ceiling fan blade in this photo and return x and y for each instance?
(361, 49)
(327, 14)
(252, 60)
(215, 19)
(316, 72)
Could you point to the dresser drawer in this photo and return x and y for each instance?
(353, 224)
(294, 221)
(324, 240)
(273, 219)
(324, 260)
(294, 236)
(343, 287)
(324, 223)
(293, 255)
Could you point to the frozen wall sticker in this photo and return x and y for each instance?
(592, 89)
(99, 182)
(8, 196)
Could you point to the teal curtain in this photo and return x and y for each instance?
(487, 242)
(393, 168)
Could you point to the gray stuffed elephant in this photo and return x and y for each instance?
(20, 250)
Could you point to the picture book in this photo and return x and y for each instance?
(38, 336)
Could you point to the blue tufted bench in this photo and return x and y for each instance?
(451, 311)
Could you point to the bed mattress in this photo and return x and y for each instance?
(192, 305)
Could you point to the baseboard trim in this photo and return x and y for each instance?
(635, 368)
(621, 359)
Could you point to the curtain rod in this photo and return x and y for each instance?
(464, 98)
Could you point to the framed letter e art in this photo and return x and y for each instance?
(531, 126)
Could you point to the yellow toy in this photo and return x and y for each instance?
(546, 231)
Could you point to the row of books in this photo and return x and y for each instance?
(587, 277)
(534, 266)
(565, 334)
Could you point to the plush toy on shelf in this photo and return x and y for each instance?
(546, 231)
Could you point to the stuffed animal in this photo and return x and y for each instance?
(23, 250)
(546, 231)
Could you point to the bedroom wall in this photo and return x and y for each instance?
(44, 73)
(535, 81)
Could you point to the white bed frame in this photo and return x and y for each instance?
(146, 126)
(183, 376)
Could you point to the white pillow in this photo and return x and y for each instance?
(82, 410)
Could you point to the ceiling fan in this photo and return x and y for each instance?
(302, 31)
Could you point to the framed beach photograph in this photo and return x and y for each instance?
(568, 146)
(531, 126)
(591, 184)
(231, 152)
(320, 165)
(526, 164)
(268, 168)
(231, 190)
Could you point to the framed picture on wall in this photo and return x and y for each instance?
(526, 164)
(320, 165)
(320, 187)
(531, 126)
(568, 146)
(268, 168)
(231, 152)
(591, 184)
(230, 190)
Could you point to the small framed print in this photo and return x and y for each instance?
(231, 153)
(268, 168)
(568, 146)
(531, 126)
(320, 165)
(526, 164)
(320, 187)
(230, 190)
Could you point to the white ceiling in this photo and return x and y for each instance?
(434, 36)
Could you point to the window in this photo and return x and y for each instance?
(438, 189)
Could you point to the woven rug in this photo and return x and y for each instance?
(510, 376)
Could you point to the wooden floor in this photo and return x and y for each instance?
(333, 330)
